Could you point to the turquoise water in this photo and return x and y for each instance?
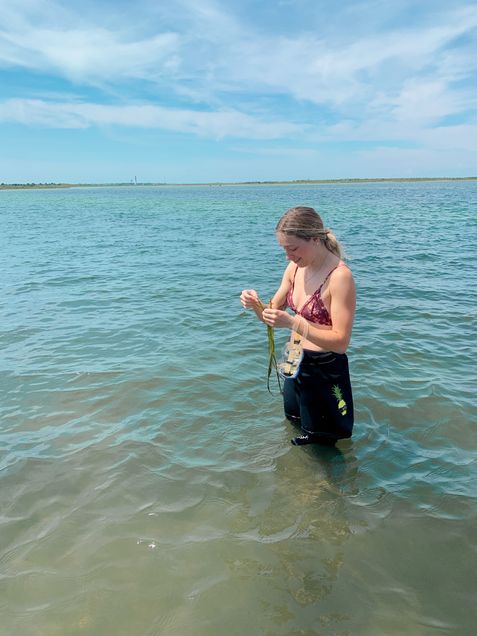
(147, 482)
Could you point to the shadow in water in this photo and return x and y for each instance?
(338, 461)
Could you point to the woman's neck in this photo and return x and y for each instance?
(319, 261)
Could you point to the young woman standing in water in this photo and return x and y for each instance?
(319, 288)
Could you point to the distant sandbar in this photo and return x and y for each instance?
(30, 186)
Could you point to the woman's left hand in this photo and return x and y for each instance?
(277, 318)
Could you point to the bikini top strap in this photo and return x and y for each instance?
(329, 274)
(293, 281)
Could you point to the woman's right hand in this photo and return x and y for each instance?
(249, 299)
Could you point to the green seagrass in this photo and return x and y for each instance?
(272, 358)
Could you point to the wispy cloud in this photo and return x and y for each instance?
(353, 73)
(215, 54)
(88, 54)
(215, 124)
(347, 77)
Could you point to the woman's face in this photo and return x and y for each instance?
(298, 250)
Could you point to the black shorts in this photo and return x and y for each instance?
(319, 398)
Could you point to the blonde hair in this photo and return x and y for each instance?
(306, 223)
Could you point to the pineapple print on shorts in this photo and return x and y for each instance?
(343, 409)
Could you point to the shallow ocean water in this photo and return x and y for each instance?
(147, 482)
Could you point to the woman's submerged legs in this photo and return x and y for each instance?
(291, 401)
(320, 398)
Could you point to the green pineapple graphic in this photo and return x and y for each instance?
(343, 409)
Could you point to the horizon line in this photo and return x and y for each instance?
(135, 183)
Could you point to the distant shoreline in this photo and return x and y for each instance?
(33, 186)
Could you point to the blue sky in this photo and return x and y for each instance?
(197, 90)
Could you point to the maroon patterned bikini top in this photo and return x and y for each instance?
(312, 309)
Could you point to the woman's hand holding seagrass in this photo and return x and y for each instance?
(277, 318)
(249, 299)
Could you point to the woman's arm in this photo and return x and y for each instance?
(342, 308)
(250, 299)
(279, 300)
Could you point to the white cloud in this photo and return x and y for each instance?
(461, 137)
(286, 152)
(414, 162)
(453, 137)
(211, 53)
(426, 102)
(387, 83)
(312, 69)
(89, 55)
(216, 124)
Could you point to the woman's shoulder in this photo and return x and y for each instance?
(290, 271)
(343, 266)
(291, 267)
(341, 274)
